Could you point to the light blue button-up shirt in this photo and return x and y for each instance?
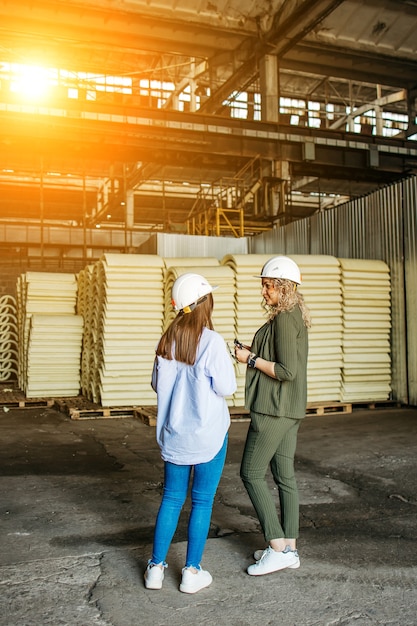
(193, 416)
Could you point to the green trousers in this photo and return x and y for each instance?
(271, 442)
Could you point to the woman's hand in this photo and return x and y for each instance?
(242, 354)
(267, 367)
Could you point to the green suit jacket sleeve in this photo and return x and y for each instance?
(284, 341)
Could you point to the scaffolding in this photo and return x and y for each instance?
(233, 206)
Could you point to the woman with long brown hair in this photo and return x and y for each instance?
(192, 375)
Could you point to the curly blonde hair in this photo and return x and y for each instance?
(290, 297)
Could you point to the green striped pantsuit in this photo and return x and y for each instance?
(271, 442)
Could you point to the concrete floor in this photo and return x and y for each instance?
(78, 500)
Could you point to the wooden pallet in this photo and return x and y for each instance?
(103, 412)
(146, 414)
(26, 403)
(377, 404)
(79, 408)
(325, 408)
(14, 398)
(239, 414)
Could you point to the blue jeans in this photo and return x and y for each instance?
(206, 478)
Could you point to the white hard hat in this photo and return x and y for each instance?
(188, 289)
(281, 267)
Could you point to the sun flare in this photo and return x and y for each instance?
(31, 82)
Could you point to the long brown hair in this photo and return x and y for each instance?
(181, 338)
(289, 298)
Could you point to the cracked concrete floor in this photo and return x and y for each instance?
(78, 500)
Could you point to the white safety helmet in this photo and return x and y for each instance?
(281, 267)
(188, 289)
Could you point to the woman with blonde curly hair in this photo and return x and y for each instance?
(276, 396)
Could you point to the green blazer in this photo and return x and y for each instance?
(283, 340)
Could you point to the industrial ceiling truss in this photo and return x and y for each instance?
(214, 118)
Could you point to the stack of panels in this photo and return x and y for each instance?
(55, 296)
(366, 374)
(125, 322)
(191, 263)
(8, 337)
(22, 328)
(51, 293)
(85, 307)
(322, 290)
(53, 355)
(248, 312)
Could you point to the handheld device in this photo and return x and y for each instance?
(241, 345)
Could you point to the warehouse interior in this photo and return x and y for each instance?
(226, 122)
(142, 138)
(206, 118)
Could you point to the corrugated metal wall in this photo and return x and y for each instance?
(410, 280)
(379, 226)
(171, 245)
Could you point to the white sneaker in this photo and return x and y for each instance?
(257, 555)
(272, 561)
(154, 575)
(194, 581)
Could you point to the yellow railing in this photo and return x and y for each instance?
(216, 221)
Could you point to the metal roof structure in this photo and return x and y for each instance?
(159, 114)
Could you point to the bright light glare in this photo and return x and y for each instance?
(31, 82)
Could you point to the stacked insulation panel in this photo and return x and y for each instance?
(191, 263)
(50, 335)
(8, 338)
(366, 374)
(53, 356)
(86, 301)
(322, 290)
(321, 287)
(248, 312)
(122, 299)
